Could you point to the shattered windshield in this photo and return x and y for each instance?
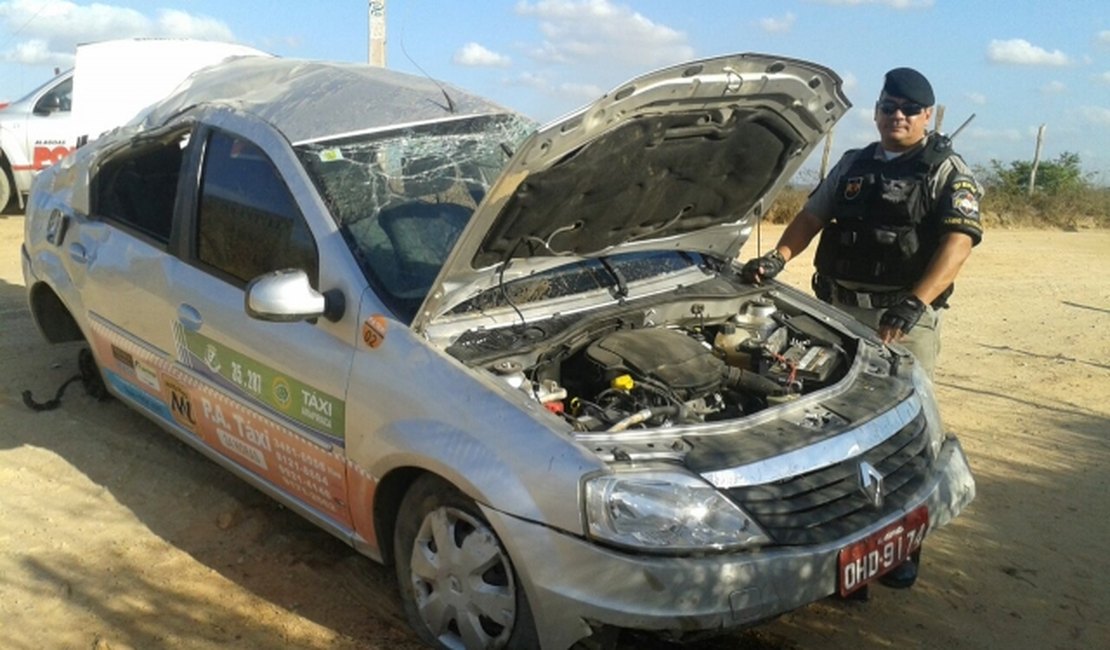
(402, 198)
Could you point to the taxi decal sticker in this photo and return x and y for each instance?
(298, 401)
(283, 394)
(289, 456)
(373, 330)
(181, 405)
(147, 375)
(124, 358)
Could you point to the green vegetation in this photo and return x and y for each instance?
(1064, 196)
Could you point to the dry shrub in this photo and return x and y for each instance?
(1086, 207)
(787, 204)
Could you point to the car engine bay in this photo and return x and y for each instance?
(676, 362)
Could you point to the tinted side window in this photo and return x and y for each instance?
(58, 100)
(248, 223)
(137, 186)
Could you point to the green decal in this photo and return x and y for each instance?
(297, 400)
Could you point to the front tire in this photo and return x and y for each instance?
(457, 583)
(5, 191)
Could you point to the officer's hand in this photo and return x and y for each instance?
(763, 268)
(897, 321)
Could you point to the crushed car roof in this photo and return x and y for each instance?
(312, 100)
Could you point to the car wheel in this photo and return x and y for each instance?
(457, 583)
(5, 191)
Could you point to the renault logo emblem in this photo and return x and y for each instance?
(871, 484)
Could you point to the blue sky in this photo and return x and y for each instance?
(1014, 64)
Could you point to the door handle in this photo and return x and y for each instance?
(189, 316)
(78, 253)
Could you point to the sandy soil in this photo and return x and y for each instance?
(115, 535)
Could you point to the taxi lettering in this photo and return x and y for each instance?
(213, 413)
(316, 403)
(252, 435)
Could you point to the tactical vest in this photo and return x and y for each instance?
(880, 233)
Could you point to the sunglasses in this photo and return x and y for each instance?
(909, 109)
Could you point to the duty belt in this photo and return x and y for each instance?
(829, 290)
(868, 299)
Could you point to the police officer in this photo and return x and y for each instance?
(897, 219)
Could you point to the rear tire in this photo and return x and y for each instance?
(458, 586)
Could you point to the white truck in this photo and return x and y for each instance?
(110, 82)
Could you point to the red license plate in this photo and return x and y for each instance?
(880, 552)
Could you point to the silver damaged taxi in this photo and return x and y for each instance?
(517, 363)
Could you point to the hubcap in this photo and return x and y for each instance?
(462, 581)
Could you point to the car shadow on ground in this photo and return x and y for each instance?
(187, 502)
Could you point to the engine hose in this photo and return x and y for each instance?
(751, 381)
(643, 415)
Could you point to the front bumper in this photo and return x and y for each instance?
(572, 582)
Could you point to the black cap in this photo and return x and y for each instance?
(910, 84)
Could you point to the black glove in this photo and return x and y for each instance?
(904, 315)
(763, 268)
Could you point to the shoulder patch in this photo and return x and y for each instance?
(963, 184)
(965, 202)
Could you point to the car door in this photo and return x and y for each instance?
(50, 126)
(267, 397)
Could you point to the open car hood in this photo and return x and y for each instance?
(684, 158)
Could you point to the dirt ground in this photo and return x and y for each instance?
(115, 535)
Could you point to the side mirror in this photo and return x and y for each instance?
(287, 296)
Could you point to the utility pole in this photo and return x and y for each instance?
(377, 33)
(1036, 161)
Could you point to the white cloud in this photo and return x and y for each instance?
(36, 52)
(51, 29)
(473, 54)
(850, 83)
(1018, 51)
(778, 25)
(1054, 88)
(979, 99)
(1096, 115)
(1104, 37)
(172, 22)
(585, 31)
(1103, 78)
(893, 4)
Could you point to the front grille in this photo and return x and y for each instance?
(827, 504)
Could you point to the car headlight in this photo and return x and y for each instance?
(666, 512)
(934, 426)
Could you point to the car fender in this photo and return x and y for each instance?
(480, 470)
